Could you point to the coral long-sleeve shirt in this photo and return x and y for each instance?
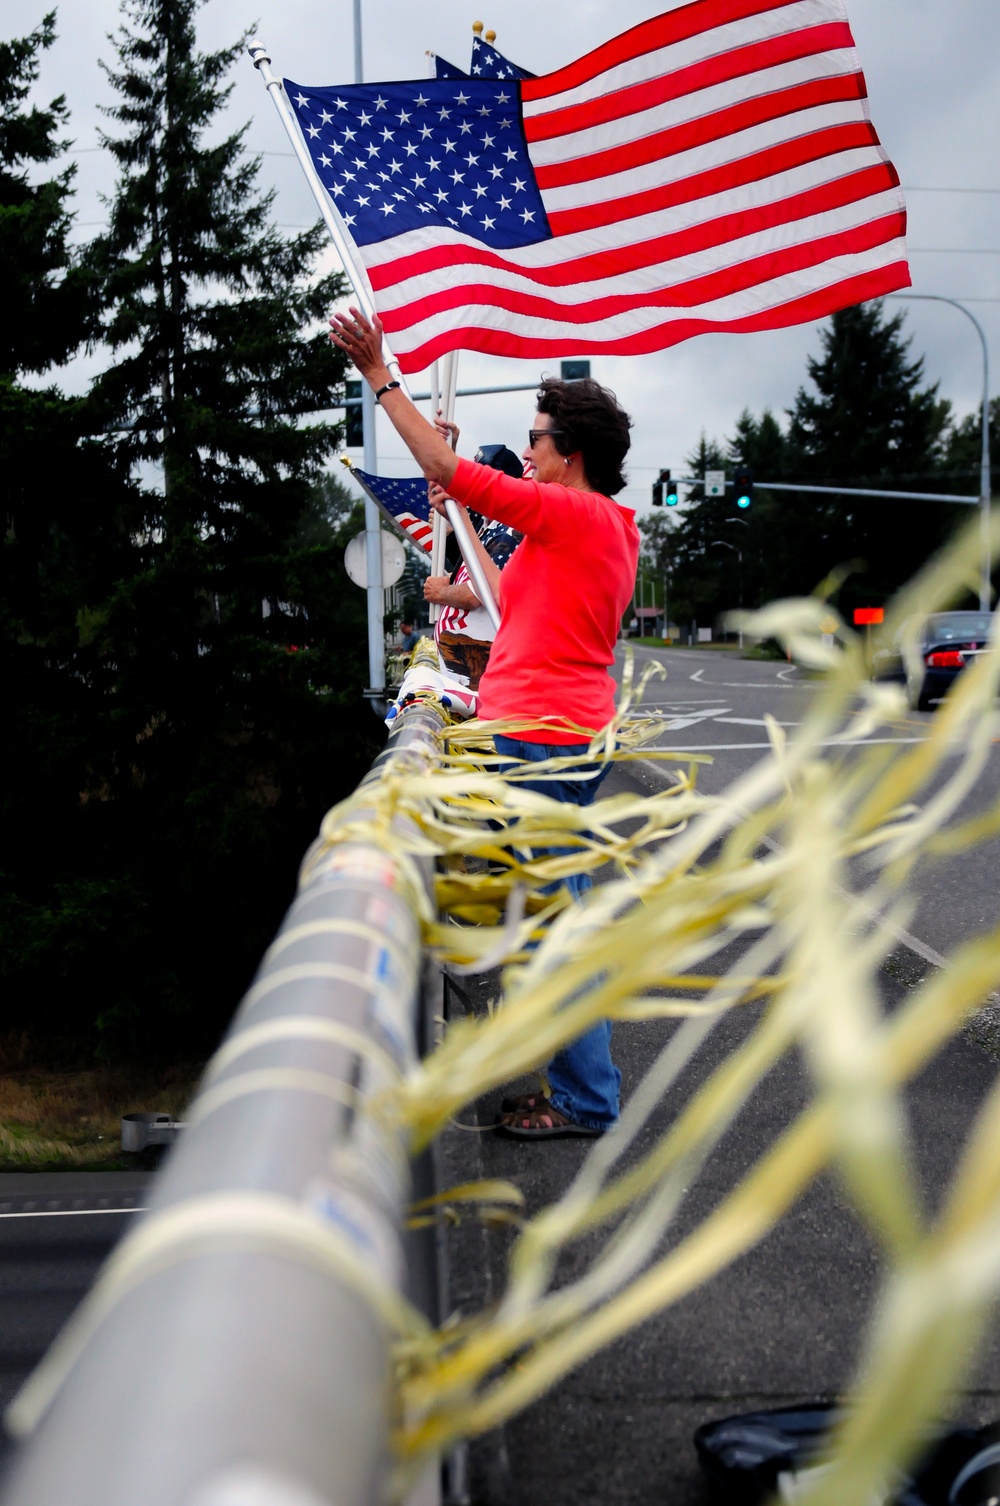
(562, 598)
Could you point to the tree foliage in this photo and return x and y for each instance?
(866, 418)
(213, 651)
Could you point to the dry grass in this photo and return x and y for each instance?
(69, 1117)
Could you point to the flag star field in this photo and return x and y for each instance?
(444, 152)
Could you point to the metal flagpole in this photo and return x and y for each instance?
(437, 521)
(354, 267)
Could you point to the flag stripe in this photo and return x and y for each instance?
(796, 16)
(660, 31)
(817, 304)
(634, 255)
(640, 316)
(674, 139)
(699, 109)
(724, 69)
(814, 147)
(705, 288)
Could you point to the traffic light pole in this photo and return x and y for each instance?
(985, 479)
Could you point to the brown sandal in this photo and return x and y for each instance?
(543, 1123)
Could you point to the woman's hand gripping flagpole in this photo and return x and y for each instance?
(354, 268)
(362, 340)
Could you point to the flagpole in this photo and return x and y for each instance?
(437, 521)
(354, 267)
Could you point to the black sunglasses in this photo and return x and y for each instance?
(534, 435)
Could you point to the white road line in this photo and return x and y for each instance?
(753, 721)
(904, 937)
(71, 1212)
(850, 742)
(783, 672)
(697, 674)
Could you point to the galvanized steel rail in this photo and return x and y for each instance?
(234, 1350)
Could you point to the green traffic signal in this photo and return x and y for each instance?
(743, 487)
(671, 492)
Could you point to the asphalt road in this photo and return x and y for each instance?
(716, 703)
(56, 1228)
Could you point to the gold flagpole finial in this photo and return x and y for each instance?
(477, 27)
(491, 37)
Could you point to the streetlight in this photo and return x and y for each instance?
(725, 544)
(985, 486)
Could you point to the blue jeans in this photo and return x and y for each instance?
(583, 1080)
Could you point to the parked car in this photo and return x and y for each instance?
(948, 642)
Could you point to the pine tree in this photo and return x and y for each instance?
(220, 649)
(58, 556)
(869, 422)
(230, 744)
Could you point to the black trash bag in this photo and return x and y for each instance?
(744, 1456)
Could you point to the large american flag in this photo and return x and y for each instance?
(714, 168)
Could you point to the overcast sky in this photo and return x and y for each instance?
(933, 71)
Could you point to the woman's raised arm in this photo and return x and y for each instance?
(362, 343)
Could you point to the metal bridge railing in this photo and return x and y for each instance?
(236, 1349)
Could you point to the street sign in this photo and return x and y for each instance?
(574, 371)
(715, 483)
(393, 560)
(868, 616)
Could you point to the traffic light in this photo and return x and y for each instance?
(743, 487)
(354, 427)
(663, 484)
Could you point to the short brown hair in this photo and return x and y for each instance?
(591, 421)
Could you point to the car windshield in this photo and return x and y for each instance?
(962, 626)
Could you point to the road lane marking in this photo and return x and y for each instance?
(76, 1212)
(753, 721)
(847, 742)
(697, 674)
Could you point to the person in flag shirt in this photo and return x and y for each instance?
(562, 599)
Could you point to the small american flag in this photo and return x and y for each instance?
(714, 168)
(402, 502)
(444, 69)
(488, 63)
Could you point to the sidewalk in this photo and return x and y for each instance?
(783, 1324)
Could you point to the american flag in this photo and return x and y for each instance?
(714, 168)
(444, 69)
(403, 502)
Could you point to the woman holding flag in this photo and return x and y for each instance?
(562, 598)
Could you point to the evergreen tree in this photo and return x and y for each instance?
(57, 556)
(696, 566)
(225, 655)
(963, 455)
(869, 422)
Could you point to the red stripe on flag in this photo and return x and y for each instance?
(614, 262)
(751, 169)
(858, 289)
(726, 66)
(648, 36)
(693, 133)
(697, 290)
